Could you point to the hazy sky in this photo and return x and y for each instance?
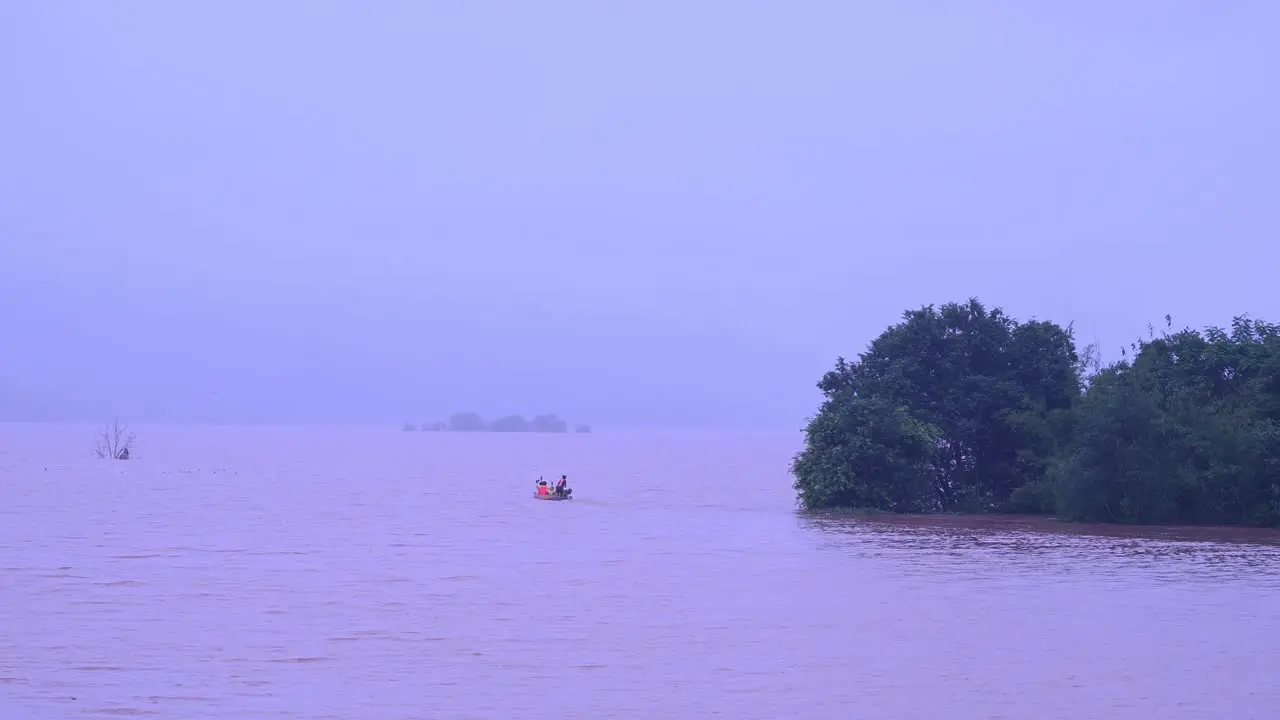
(634, 213)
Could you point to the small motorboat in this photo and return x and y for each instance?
(552, 496)
(551, 493)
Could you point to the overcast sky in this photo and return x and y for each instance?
(637, 214)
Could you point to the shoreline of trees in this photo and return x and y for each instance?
(473, 422)
(963, 409)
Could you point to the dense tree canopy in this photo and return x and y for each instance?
(472, 422)
(1187, 431)
(952, 409)
(962, 408)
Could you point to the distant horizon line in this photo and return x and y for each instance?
(390, 427)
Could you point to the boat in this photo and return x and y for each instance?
(536, 496)
(551, 493)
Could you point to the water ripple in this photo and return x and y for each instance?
(349, 574)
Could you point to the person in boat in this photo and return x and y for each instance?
(562, 486)
(543, 489)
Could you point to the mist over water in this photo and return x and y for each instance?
(389, 213)
(652, 215)
(333, 573)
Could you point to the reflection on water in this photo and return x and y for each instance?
(1006, 544)
(275, 574)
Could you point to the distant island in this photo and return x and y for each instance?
(963, 409)
(473, 422)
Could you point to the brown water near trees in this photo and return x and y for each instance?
(356, 574)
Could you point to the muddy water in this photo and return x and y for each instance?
(271, 574)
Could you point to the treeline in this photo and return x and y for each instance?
(473, 422)
(964, 409)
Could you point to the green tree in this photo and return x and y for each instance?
(467, 422)
(867, 454)
(1186, 431)
(548, 423)
(511, 423)
(988, 395)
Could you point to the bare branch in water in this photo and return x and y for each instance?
(115, 441)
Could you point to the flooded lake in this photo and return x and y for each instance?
(370, 574)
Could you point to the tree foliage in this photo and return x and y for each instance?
(472, 422)
(1186, 431)
(975, 399)
(964, 409)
